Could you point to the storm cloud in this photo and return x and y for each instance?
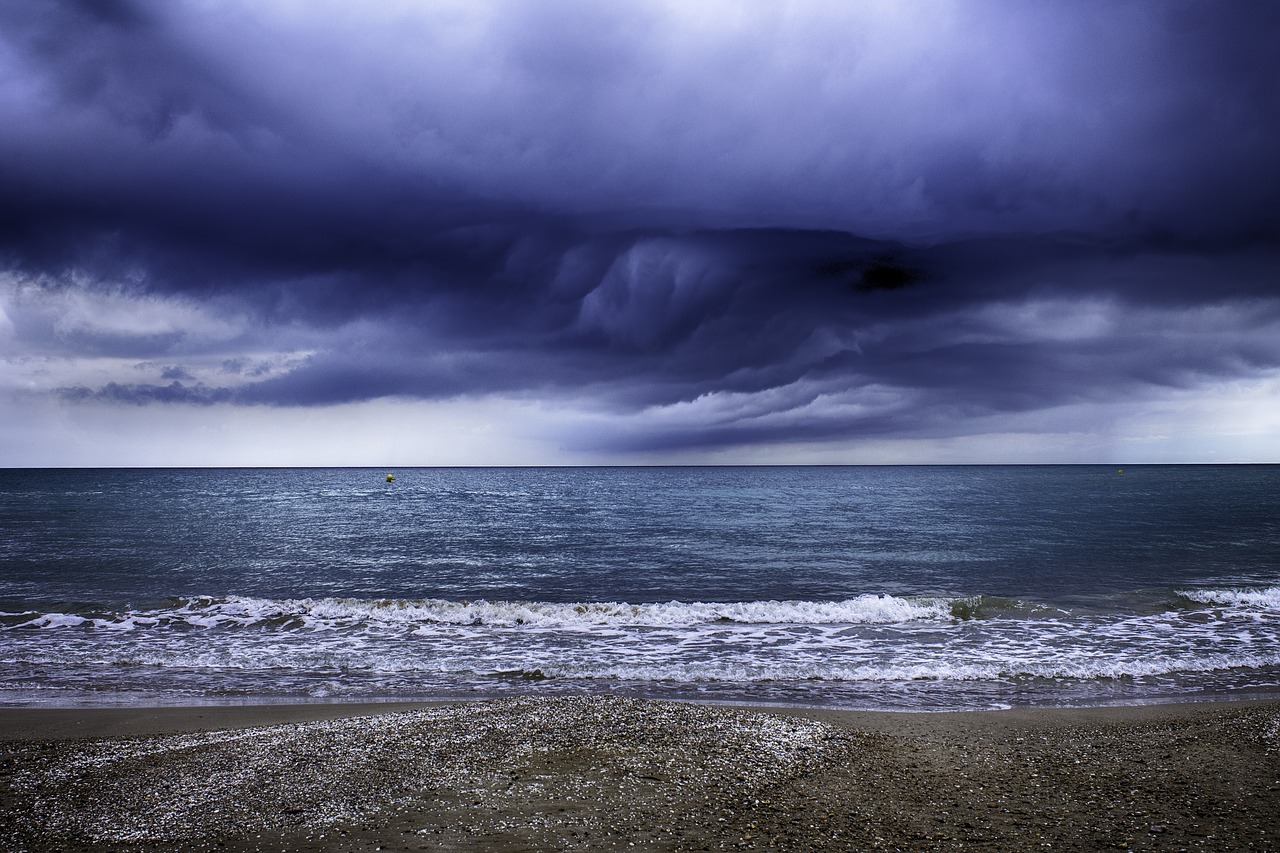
(688, 229)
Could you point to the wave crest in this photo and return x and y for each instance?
(321, 613)
(1258, 599)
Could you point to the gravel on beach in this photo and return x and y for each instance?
(607, 773)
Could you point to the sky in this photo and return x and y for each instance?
(493, 232)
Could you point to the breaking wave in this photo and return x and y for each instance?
(321, 613)
(1255, 599)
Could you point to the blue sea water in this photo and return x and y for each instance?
(929, 588)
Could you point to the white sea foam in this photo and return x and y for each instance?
(1261, 599)
(330, 613)
(866, 609)
(54, 620)
(412, 647)
(421, 615)
(943, 669)
(996, 651)
(739, 666)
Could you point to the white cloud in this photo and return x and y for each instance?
(1234, 422)
(96, 309)
(44, 432)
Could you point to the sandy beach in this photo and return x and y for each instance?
(604, 773)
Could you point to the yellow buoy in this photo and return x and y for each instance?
(1119, 470)
(390, 477)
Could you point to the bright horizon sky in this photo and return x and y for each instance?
(506, 233)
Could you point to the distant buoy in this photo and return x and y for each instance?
(390, 477)
(1118, 471)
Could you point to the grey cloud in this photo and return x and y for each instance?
(142, 394)
(989, 118)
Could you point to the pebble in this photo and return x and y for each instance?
(608, 773)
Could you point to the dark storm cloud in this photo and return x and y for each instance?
(141, 394)
(773, 215)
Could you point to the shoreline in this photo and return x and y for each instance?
(601, 772)
(41, 722)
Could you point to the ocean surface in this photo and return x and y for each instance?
(920, 588)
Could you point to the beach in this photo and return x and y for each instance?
(604, 773)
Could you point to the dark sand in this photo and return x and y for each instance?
(602, 773)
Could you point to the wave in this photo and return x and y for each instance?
(319, 613)
(1267, 599)
(1012, 669)
(1007, 663)
(401, 647)
(866, 609)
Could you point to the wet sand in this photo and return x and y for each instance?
(603, 773)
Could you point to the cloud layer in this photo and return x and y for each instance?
(703, 228)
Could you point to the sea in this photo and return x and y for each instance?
(929, 588)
